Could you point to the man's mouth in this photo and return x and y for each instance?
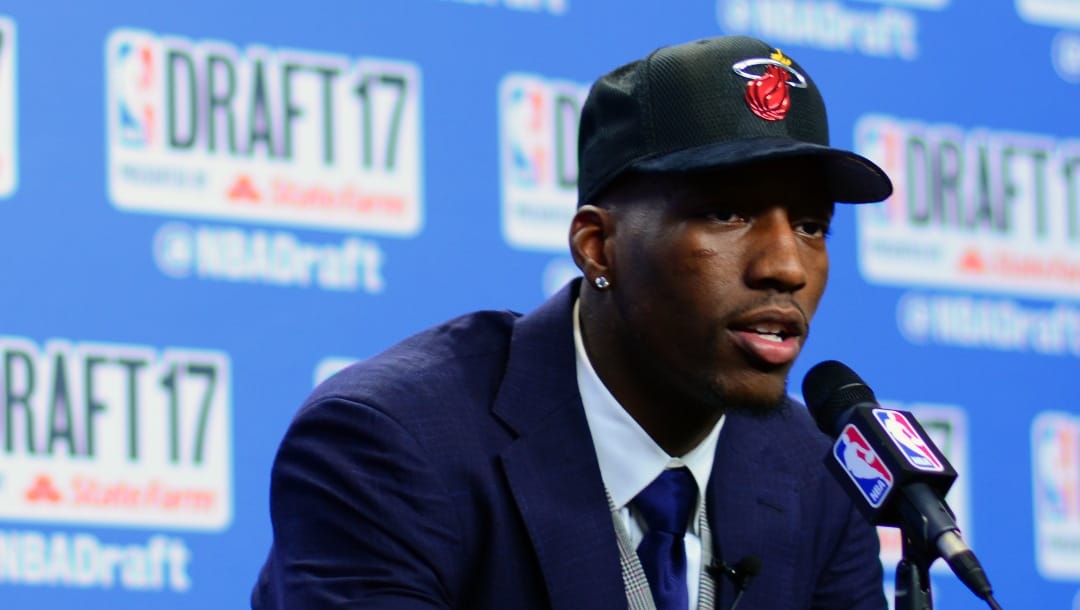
(771, 336)
(771, 333)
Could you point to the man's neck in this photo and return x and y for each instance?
(676, 422)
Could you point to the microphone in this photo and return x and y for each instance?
(890, 467)
(741, 574)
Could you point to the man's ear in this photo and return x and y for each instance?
(591, 234)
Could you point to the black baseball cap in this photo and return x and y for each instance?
(713, 103)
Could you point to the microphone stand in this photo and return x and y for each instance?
(913, 578)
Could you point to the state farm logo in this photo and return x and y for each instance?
(43, 490)
(120, 435)
(9, 166)
(974, 208)
(86, 490)
(538, 122)
(273, 135)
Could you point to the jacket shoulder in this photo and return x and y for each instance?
(449, 362)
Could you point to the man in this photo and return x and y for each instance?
(629, 443)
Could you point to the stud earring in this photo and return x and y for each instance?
(601, 282)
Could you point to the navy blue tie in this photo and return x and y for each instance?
(665, 505)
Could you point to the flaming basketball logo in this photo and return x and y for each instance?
(769, 94)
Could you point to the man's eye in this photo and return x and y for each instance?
(814, 228)
(725, 216)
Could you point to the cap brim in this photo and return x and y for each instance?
(851, 178)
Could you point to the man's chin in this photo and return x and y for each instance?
(757, 401)
(762, 408)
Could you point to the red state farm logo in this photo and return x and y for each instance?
(972, 262)
(43, 490)
(243, 190)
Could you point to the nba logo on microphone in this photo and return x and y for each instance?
(858, 459)
(908, 440)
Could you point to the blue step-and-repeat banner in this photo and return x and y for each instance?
(207, 206)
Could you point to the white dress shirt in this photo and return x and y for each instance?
(630, 459)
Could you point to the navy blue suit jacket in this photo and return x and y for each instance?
(456, 470)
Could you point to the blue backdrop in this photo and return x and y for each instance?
(208, 206)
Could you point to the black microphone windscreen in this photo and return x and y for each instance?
(830, 388)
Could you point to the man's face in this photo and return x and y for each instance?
(716, 278)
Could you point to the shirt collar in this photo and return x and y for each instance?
(629, 458)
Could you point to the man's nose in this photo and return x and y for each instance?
(775, 254)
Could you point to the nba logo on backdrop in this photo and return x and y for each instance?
(528, 124)
(883, 142)
(858, 459)
(1055, 463)
(136, 90)
(538, 121)
(8, 145)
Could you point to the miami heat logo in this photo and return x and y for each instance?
(769, 94)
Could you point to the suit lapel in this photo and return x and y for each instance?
(551, 466)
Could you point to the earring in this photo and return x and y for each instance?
(601, 282)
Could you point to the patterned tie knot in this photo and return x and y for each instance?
(666, 503)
